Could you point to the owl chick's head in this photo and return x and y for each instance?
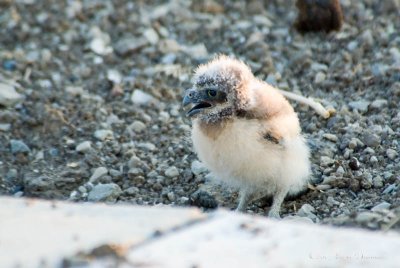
(220, 89)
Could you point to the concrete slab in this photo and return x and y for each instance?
(232, 240)
(36, 233)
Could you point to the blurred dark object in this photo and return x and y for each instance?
(319, 15)
(203, 199)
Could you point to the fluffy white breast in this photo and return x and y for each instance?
(239, 156)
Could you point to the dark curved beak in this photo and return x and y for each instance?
(191, 96)
(197, 98)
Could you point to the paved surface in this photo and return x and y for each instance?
(37, 233)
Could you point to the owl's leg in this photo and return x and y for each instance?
(245, 197)
(277, 203)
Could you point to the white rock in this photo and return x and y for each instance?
(75, 91)
(198, 167)
(138, 126)
(340, 170)
(172, 172)
(8, 95)
(104, 134)
(104, 192)
(326, 161)
(198, 51)
(114, 76)
(381, 206)
(140, 97)
(5, 127)
(307, 210)
(98, 173)
(147, 146)
(84, 146)
(379, 104)
(100, 47)
(361, 105)
(151, 35)
(364, 217)
(391, 153)
(330, 137)
(319, 77)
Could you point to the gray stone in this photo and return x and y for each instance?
(84, 147)
(378, 104)
(340, 170)
(198, 167)
(172, 172)
(331, 201)
(323, 187)
(134, 162)
(12, 174)
(391, 153)
(138, 126)
(8, 95)
(141, 98)
(151, 35)
(18, 146)
(148, 146)
(129, 45)
(330, 137)
(103, 134)
(98, 173)
(114, 76)
(373, 160)
(365, 217)
(104, 192)
(377, 182)
(5, 127)
(381, 206)
(389, 189)
(361, 105)
(371, 140)
(326, 161)
(198, 52)
(171, 196)
(307, 210)
(319, 77)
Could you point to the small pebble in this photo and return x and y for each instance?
(389, 189)
(377, 182)
(381, 206)
(203, 199)
(198, 168)
(319, 77)
(371, 140)
(391, 154)
(307, 210)
(18, 146)
(326, 161)
(8, 95)
(172, 172)
(104, 192)
(361, 105)
(364, 217)
(378, 104)
(103, 134)
(84, 147)
(98, 173)
(138, 126)
(140, 97)
(330, 137)
(354, 164)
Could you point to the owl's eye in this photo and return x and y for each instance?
(211, 93)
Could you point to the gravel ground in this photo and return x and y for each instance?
(90, 98)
